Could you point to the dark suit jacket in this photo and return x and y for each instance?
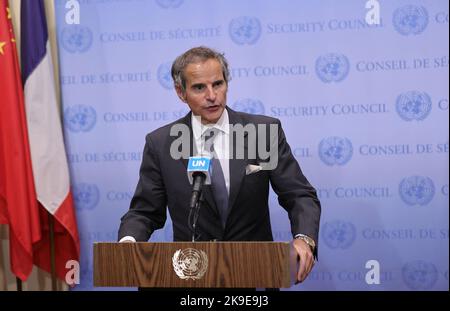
(163, 182)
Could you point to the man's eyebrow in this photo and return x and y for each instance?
(203, 84)
(198, 84)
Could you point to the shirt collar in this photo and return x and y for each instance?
(199, 129)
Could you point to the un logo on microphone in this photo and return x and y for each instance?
(419, 275)
(165, 76)
(339, 234)
(80, 118)
(245, 30)
(410, 20)
(413, 105)
(76, 38)
(169, 4)
(248, 105)
(332, 67)
(86, 196)
(335, 150)
(416, 190)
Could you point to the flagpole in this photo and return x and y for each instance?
(52, 250)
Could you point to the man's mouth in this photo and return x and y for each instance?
(212, 108)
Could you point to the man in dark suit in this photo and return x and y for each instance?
(235, 206)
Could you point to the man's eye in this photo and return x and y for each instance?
(218, 83)
(199, 87)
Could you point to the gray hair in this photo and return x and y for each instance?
(196, 55)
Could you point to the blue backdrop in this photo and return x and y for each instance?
(364, 108)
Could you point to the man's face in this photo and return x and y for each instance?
(206, 90)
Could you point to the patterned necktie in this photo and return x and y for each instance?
(218, 187)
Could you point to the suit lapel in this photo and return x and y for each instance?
(237, 166)
(187, 121)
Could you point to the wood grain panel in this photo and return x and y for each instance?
(230, 264)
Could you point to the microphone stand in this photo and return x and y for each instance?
(193, 217)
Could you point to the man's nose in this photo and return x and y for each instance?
(210, 93)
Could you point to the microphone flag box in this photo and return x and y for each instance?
(199, 165)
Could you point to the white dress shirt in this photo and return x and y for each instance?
(221, 142)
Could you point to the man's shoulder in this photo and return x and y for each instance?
(249, 118)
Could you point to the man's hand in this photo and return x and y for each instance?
(127, 239)
(306, 257)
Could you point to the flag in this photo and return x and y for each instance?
(49, 160)
(34, 177)
(18, 203)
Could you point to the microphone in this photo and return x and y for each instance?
(198, 170)
(199, 174)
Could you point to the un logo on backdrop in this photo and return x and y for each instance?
(249, 105)
(332, 67)
(339, 234)
(86, 196)
(413, 105)
(245, 30)
(169, 4)
(410, 20)
(76, 38)
(416, 190)
(164, 76)
(419, 275)
(335, 150)
(80, 118)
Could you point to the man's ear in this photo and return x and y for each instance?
(180, 92)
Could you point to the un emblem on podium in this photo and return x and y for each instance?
(190, 263)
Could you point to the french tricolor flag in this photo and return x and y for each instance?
(49, 161)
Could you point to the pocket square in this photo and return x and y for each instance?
(250, 169)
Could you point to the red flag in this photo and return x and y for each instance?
(18, 202)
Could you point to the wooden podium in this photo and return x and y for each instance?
(198, 264)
